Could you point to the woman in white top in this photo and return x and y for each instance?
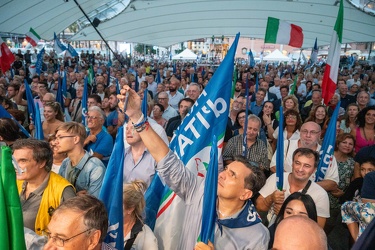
(137, 235)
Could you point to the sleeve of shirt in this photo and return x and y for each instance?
(182, 181)
(273, 160)
(265, 163)
(332, 172)
(229, 150)
(322, 204)
(96, 179)
(68, 193)
(269, 187)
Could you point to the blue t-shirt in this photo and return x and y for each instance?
(103, 145)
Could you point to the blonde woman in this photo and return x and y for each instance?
(137, 235)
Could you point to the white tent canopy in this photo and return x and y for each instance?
(276, 56)
(187, 54)
(167, 22)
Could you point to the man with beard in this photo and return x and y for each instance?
(75, 107)
(238, 90)
(174, 96)
(115, 119)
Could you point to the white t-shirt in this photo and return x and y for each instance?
(295, 135)
(317, 193)
(332, 171)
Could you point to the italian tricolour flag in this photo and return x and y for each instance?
(32, 37)
(333, 59)
(281, 32)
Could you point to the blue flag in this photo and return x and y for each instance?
(280, 153)
(38, 124)
(314, 55)
(144, 102)
(244, 143)
(5, 114)
(60, 94)
(256, 82)
(328, 146)
(109, 77)
(209, 200)
(30, 102)
(84, 102)
(72, 51)
(158, 78)
(136, 87)
(251, 59)
(174, 68)
(191, 143)
(117, 87)
(58, 46)
(39, 62)
(111, 192)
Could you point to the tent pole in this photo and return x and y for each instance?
(84, 13)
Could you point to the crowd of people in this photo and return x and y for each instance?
(62, 175)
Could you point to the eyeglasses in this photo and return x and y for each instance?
(241, 117)
(57, 240)
(312, 132)
(92, 117)
(64, 136)
(291, 117)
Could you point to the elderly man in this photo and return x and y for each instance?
(194, 91)
(79, 223)
(316, 99)
(41, 190)
(256, 148)
(363, 99)
(169, 111)
(98, 142)
(83, 171)
(238, 224)
(305, 163)
(75, 107)
(310, 134)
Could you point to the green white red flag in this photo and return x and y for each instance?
(282, 32)
(333, 59)
(32, 37)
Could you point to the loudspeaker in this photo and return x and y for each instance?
(96, 22)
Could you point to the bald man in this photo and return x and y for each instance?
(299, 232)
